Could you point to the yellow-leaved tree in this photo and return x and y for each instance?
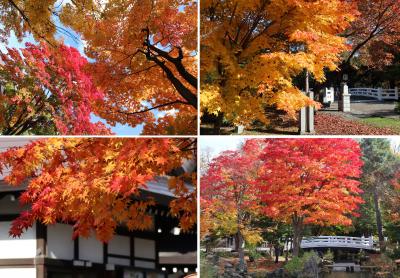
(251, 50)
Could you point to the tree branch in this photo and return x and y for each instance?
(27, 20)
(152, 108)
(179, 86)
(191, 79)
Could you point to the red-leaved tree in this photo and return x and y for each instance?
(229, 196)
(376, 32)
(310, 181)
(47, 86)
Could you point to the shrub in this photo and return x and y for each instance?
(397, 108)
(328, 256)
(295, 266)
(394, 254)
(305, 266)
(206, 268)
(253, 253)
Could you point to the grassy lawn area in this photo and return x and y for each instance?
(391, 123)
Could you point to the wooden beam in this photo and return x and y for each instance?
(41, 247)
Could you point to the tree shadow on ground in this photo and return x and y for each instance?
(280, 124)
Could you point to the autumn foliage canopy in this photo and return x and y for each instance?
(375, 35)
(229, 197)
(96, 183)
(143, 56)
(45, 86)
(313, 179)
(251, 51)
(295, 181)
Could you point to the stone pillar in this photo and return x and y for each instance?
(239, 129)
(380, 94)
(344, 102)
(306, 118)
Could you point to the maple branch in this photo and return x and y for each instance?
(379, 23)
(191, 79)
(143, 70)
(246, 39)
(179, 86)
(360, 45)
(182, 90)
(23, 123)
(28, 21)
(187, 147)
(177, 62)
(152, 108)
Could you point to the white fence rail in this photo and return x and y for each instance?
(378, 93)
(338, 242)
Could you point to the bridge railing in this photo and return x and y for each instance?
(338, 241)
(378, 93)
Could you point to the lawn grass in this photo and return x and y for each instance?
(391, 123)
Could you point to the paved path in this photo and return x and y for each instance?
(363, 108)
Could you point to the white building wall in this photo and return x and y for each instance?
(90, 249)
(59, 242)
(119, 245)
(18, 272)
(145, 248)
(14, 248)
(145, 264)
(119, 261)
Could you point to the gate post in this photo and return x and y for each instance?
(306, 117)
(344, 102)
(380, 94)
(396, 93)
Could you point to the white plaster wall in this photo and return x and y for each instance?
(18, 272)
(12, 248)
(119, 261)
(145, 248)
(145, 264)
(119, 245)
(91, 249)
(59, 242)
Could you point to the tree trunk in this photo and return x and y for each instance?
(287, 250)
(240, 249)
(218, 124)
(297, 224)
(379, 220)
(277, 252)
(236, 243)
